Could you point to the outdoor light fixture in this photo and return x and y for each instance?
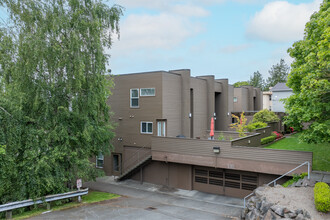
(216, 150)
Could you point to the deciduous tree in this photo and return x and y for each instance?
(53, 93)
(309, 79)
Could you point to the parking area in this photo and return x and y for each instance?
(147, 201)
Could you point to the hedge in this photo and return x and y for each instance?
(267, 140)
(322, 197)
(252, 126)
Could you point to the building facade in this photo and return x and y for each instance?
(162, 122)
(279, 92)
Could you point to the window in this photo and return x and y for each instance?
(235, 99)
(270, 97)
(147, 92)
(161, 128)
(115, 159)
(134, 103)
(146, 127)
(100, 160)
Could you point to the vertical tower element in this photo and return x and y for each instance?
(185, 100)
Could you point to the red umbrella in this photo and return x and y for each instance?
(212, 128)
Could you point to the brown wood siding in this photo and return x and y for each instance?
(193, 151)
(172, 103)
(200, 106)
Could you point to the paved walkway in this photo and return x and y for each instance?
(148, 201)
(320, 176)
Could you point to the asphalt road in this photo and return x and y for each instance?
(144, 204)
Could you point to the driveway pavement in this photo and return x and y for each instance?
(148, 201)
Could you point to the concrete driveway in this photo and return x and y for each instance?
(148, 201)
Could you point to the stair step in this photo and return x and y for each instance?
(133, 168)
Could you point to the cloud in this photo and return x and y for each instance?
(234, 48)
(189, 10)
(281, 21)
(161, 31)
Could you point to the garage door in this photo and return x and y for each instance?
(224, 182)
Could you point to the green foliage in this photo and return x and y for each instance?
(309, 79)
(241, 83)
(256, 80)
(294, 179)
(252, 126)
(267, 140)
(265, 116)
(240, 124)
(321, 151)
(53, 93)
(322, 197)
(221, 137)
(278, 74)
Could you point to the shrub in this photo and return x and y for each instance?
(221, 137)
(322, 197)
(252, 126)
(267, 140)
(294, 179)
(265, 116)
(277, 135)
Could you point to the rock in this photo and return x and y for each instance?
(258, 191)
(306, 214)
(290, 215)
(243, 213)
(300, 217)
(278, 210)
(308, 182)
(299, 211)
(299, 183)
(253, 215)
(265, 206)
(258, 204)
(270, 215)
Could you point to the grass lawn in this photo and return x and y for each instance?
(321, 152)
(91, 197)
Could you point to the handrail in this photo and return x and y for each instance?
(274, 181)
(130, 162)
(49, 198)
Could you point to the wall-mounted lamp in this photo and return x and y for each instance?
(249, 141)
(214, 114)
(120, 139)
(216, 150)
(264, 131)
(215, 118)
(120, 118)
(190, 115)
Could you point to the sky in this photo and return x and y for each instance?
(226, 38)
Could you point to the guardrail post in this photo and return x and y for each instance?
(9, 214)
(48, 205)
(308, 165)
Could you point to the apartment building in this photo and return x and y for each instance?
(162, 136)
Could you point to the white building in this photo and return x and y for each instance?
(279, 92)
(267, 100)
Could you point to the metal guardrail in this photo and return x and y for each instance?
(20, 204)
(274, 181)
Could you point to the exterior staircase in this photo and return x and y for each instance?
(134, 168)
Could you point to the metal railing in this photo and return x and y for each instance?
(274, 181)
(8, 207)
(137, 156)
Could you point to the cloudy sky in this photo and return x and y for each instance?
(226, 38)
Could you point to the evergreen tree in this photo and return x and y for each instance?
(256, 80)
(278, 74)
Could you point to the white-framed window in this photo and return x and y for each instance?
(134, 98)
(161, 128)
(99, 160)
(146, 127)
(147, 92)
(235, 99)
